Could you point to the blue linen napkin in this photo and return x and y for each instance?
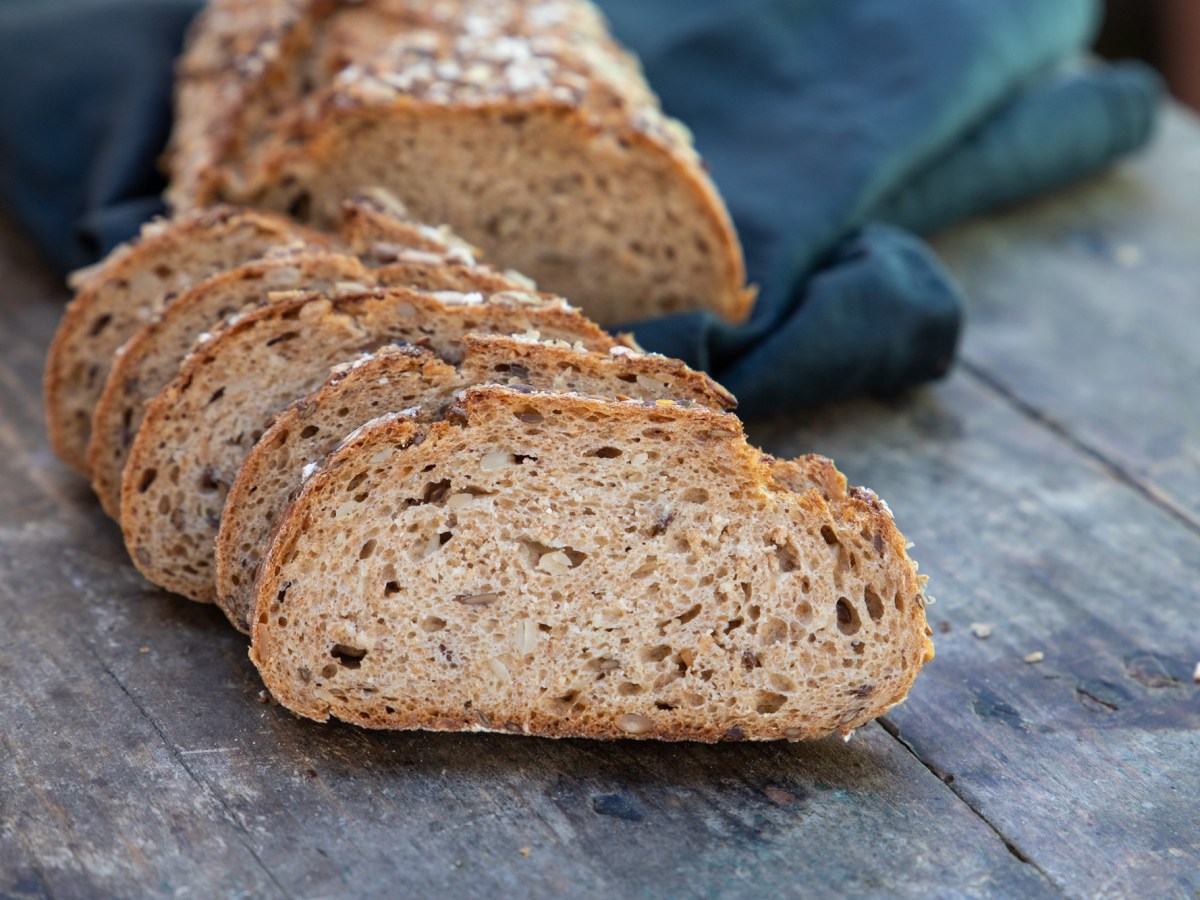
(829, 126)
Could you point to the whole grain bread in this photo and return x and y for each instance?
(398, 379)
(197, 431)
(152, 357)
(562, 566)
(127, 289)
(521, 124)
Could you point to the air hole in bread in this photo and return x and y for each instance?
(899, 602)
(696, 495)
(367, 549)
(432, 624)
(773, 631)
(99, 325)
(309, 431)
(217, 395)
(348, 656)
(768, 702)
(629, 688)
(300, 208)
(655, 654)
(329, 670)
(789, 560)
(847, 617)
(874, 605)
(356, 481)
(390, 589)
(829, 535)
(147, 479)
(606, 452)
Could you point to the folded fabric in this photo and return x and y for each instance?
(817, 117)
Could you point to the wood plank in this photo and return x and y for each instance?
(74, 741)
(1088, 762)
(1086, 307)
(131, 772)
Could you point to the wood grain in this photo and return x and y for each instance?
(1086, 308)
(1089, 761)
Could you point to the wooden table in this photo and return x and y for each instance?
(1052, 487)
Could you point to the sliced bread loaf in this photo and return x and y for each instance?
(521, 125)
(198, 429)
(391, 380)
(555, 565)
(121, 294)
(151, 358)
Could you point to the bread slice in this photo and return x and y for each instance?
(541, 144)
(376, 226)
(129, 288)
(198, 429)
(152, 357)
(393, 379)
(562, 566)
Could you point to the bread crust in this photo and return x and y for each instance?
(413, 445)
(125, 290)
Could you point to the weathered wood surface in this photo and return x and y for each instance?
(136, 758)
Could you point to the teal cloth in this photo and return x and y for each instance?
(834, 129)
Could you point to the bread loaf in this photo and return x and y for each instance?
(562, 566)
(395, 379)
(198, 429)
(521, 124)
(133, 284)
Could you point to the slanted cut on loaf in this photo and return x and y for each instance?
(521, 124)
(555, 565)
(396, 379)
(198, 430)
(129, 287)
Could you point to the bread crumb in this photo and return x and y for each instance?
(1196, 674)
(143, 649)
(1035, 657)
(982, 630)
(779, 795)
(526, 851)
